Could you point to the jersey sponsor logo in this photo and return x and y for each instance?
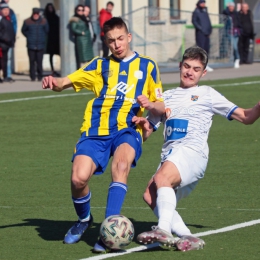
(158, 93)
(184, 111)
(121, 97)
(123, 73)
(194, 98)
(138, 74)
(176, 129)
(123, 87)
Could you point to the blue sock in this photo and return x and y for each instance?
(115, 198)
(82, 206)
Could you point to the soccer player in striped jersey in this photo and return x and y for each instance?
(187, 121)
(124, 84)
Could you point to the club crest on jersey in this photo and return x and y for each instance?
(158, 92)
(194, 98)
(138, 74)
(108, 73)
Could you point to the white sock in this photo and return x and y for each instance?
(178, 227)
(166, 203)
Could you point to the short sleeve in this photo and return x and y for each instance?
(221, 105)
(85, 77)
(155, 121)
(155, 84)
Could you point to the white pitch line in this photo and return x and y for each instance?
(44, 97)
(145, 247)
(235, 84)
(78, 94)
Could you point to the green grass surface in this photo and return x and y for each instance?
(37, 141)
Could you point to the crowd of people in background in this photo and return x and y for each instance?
(41, 30)
(239, 29)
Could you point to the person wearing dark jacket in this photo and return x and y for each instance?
(11, 50)
(83, 42)
(247, 34)
(53, 39)
(105, 15)
(233, 30)
(35, 29)
(7, 37)
(203, 28)
(202, 24)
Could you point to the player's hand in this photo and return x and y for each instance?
(144, 102)
(143, 122)
(49, 82)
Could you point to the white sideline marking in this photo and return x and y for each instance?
(235, 84)
(133, 208)
(44, 97)
(145, 247)
(89, 93)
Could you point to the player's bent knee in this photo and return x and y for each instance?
(120, 168)
(78, 183)
(162, 179)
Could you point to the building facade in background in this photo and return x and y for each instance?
(173, 12)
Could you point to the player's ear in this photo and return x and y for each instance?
(204, 72)
(129, 37)
(180, 65)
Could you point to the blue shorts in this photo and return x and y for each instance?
(101, 148)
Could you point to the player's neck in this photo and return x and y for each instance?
(184, 86)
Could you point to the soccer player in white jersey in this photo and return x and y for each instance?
(184, 157)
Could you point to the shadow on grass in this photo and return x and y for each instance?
(52, 230)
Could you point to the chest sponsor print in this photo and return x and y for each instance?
(176, 129)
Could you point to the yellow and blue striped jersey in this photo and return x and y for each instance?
(116, 85)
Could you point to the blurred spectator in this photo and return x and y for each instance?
(105, 15)
(91, 28)
(35, 29)
(53, 39)
(7, 37)
(233, 28)
(203, 28)
(11, 50)
(83, 43)
(247, 33)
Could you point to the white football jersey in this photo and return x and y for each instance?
(188, 117)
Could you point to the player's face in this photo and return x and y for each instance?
(190, 73)
(118, 42)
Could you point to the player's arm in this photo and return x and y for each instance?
(157, 108)
(247, 116)
(146, 126)
(56, 84)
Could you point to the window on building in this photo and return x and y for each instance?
(174, 9)
(153, 10)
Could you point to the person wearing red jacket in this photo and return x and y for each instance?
(105, 15)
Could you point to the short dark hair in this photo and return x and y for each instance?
(114, 22)
(110, 3)
(196, 53)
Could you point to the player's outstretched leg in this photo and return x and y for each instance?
(187, 243)
(156, 235)
(76, 231)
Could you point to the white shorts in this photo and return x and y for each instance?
(191, 166)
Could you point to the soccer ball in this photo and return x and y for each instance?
(117, 232)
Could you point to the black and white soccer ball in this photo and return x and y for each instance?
(117, 232)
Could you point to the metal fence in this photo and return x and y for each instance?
(163, 38)
(157, 35)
